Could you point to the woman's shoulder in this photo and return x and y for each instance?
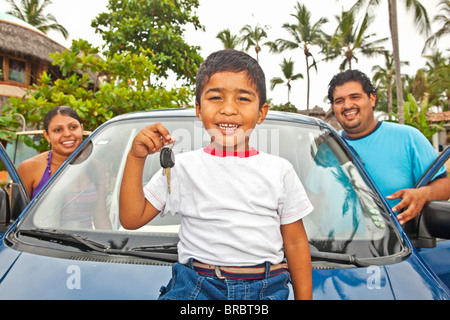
(32, 162)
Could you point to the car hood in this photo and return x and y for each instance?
(30, 276)
(406, 280)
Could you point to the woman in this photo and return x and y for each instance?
(64, 132)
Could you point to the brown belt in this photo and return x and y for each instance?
(239, 273)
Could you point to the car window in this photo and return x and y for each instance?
(348, 216)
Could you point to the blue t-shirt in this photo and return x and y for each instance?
(395, 156)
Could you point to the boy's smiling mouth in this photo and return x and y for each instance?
(228, 128)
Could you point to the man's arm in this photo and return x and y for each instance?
(415, 199)
(296, 248)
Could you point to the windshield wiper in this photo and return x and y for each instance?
(66, 237)
(339, 258)
(149, 252)
(169, 247)
(165, 252)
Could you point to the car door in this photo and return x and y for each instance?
(13, 196)
(432, 227)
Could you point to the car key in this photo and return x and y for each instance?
(167, 161)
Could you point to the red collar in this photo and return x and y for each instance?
(223, 154)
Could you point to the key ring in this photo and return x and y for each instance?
(167, 156)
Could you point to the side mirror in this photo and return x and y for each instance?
(433, 222)
(19, 200)
(5, 212)
(436, 219)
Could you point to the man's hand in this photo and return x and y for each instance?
(412, 199)
(415, 199)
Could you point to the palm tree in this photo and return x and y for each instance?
(438, 76)
(443, 19)
(350, 38)
(252, 37)
(384, 78)
(304, 35)
(32, 11)
(229, 40)
(287, 67)
(422, 22)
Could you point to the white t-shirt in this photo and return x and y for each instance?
(232, 207)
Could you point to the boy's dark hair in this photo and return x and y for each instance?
(232, 61)
(67, 111)
(351, 76)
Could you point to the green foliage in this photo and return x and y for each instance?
(304, 35)
(438, 78)
(416, 116)
(32, 11)
(6, 124)
(351, 38)
(287, 67)
(252, 37)
(155, 28)
(124, 88)
(287, 107)
(229, 40)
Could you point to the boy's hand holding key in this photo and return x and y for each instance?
(151, 139)
(134, 210)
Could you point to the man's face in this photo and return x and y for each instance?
(353, 109)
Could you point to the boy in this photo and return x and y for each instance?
(239, 207)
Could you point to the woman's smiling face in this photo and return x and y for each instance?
(64, 134)
(229, 109)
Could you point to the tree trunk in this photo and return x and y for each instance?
(306, 51)
(396, 52)
(390, 102)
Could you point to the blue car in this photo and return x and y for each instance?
(68, 243)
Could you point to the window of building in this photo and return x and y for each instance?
(15, 70)
(1, 68)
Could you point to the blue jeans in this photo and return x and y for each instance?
(186, 284)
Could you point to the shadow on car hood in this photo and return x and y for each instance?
(406, 280)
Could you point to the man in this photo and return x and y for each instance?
(395, 156)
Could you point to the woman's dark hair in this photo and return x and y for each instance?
(351, 76)
(230, 60)
(63, 110)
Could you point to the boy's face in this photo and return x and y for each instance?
(229, 110)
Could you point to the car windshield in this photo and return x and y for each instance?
(348, 218)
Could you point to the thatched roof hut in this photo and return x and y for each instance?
(22, 40)
(327, 116)
(24, 56)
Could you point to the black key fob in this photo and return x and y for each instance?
(167, 158)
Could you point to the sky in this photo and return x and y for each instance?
(217, 15)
